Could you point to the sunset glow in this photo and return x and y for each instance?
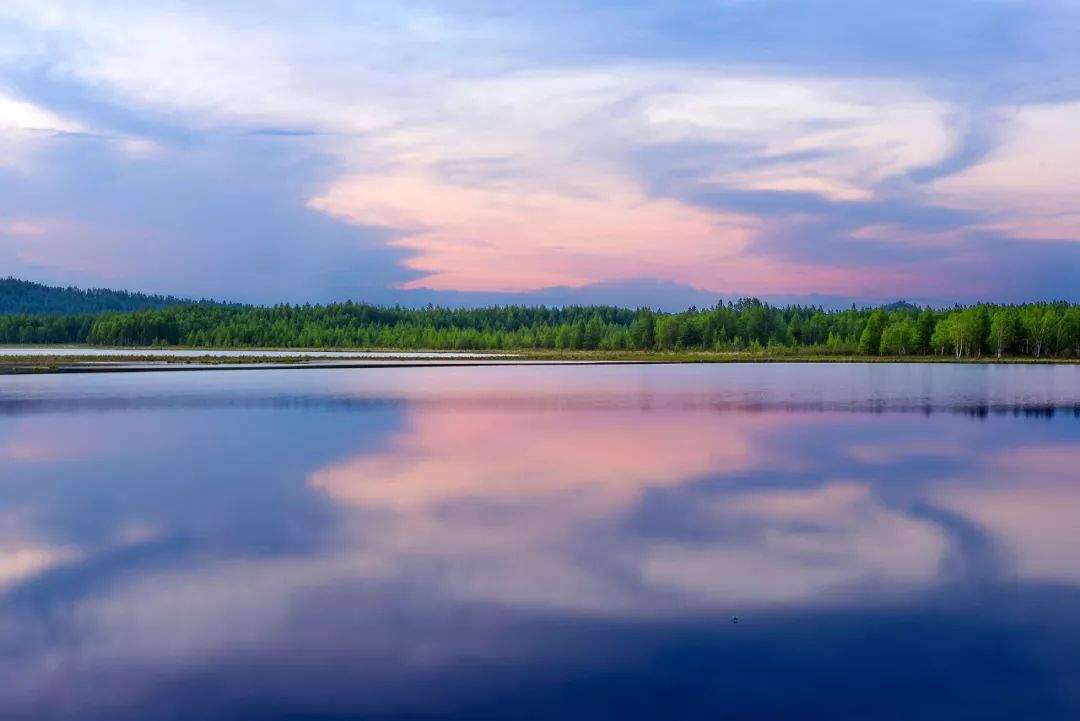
(404, 154)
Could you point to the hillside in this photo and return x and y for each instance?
(24, 297)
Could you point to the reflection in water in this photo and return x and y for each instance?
(1026, 499)
(541, 543)
(516, 517)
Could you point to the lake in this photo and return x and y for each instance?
(835, 541)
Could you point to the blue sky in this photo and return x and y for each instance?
(666, 153)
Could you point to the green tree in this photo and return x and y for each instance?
(924, 330)
(593, 333)
(642, 329)
(870, 339)
(1002, 331)
(899, 337)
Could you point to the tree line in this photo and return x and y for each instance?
(1036, 330)
(23, 296)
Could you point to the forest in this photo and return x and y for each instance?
(1035, 330)
(23, 296)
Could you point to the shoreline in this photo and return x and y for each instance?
(143, 360)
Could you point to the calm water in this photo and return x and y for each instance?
(726, 541)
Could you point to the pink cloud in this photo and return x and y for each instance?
(24, 227)
(514, 239)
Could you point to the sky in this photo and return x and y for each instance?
(658, 153)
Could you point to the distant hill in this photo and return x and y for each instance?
(900, 305)
(24, 297)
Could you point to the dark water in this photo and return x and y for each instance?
(749, 542)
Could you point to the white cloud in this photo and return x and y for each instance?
(1029, 186)
(428, 103)
(19, 116)
(421, 89)
(25, 126)
(837, 138)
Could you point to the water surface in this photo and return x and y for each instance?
(837, 541)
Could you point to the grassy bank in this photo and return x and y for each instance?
(778, 357)
(58, 363)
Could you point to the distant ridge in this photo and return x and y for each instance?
(26, 297)
(18, 297)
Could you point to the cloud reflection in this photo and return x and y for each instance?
(438, 541)
(512, 501)
(1025, 498)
